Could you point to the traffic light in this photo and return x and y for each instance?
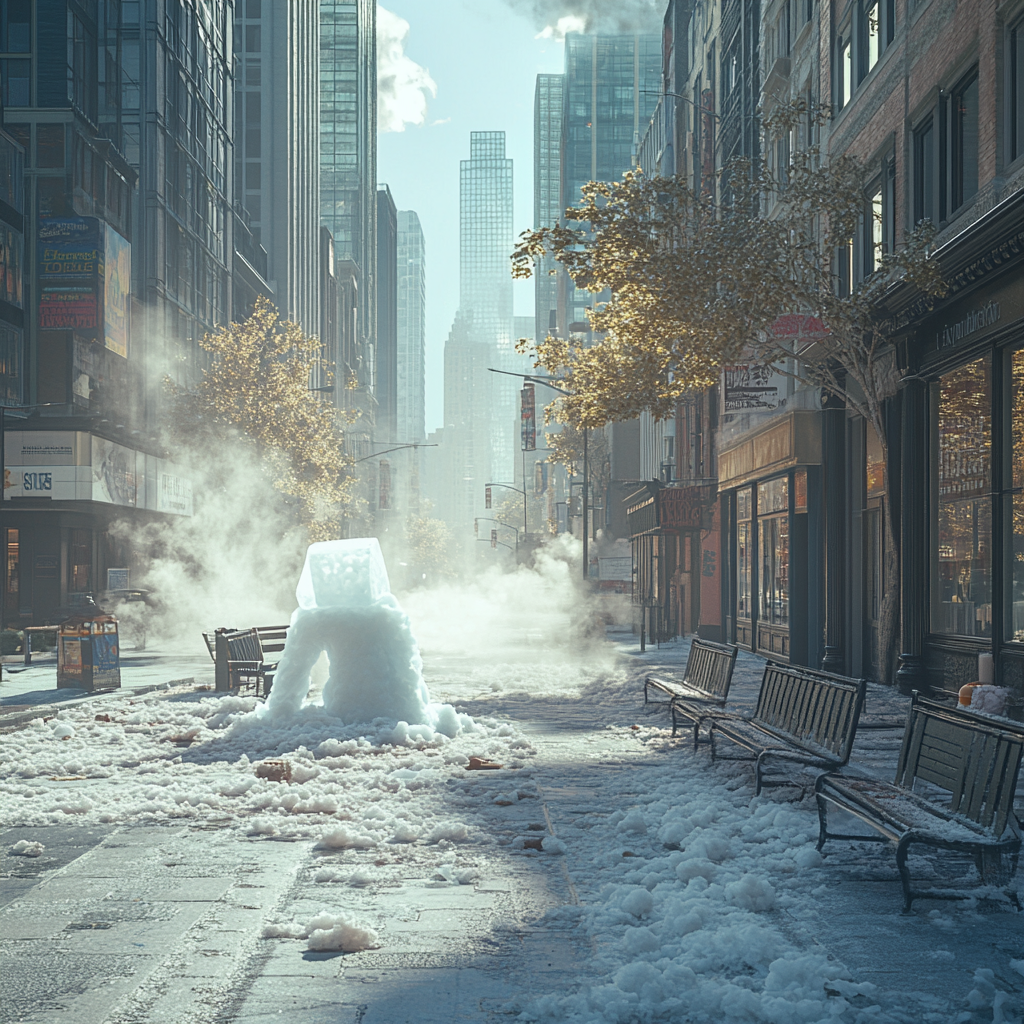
(494, 538)
(487, 499)
(476, 527)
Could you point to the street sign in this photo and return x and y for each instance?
(528, 418)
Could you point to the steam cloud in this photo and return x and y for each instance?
(402, 84)
(555, 19)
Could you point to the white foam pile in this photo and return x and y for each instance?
(195, 759)
(702, 905)
(327, 931)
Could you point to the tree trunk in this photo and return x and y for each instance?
(888, 610)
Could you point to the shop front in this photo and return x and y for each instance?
(963, 526)
(64, 492)
(770, 488)
(673, 533)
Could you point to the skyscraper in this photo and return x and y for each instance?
(348, 181)
(386, 387)
(547, 192)
(412, 298)
(612, 83)
(176, 115)
(277, 133)
(485, 281)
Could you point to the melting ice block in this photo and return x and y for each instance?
(343, 574)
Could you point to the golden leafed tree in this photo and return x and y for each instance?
(753, 269)
(256, 394)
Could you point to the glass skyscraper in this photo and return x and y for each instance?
(485, 278)
(612, 83)
(412, 299)
(348, 159)
(547, 192)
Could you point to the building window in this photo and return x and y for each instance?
(15, 20)
(962, 502)
(874, 229)
(79, 561)
(872, 33)
(744, 555)
(1015, 519)
(924, 172)
(964, 142)
(14, 82)
(1015, 90)
(773, 545)
(49, 145)
(253, 41)
(844, 69)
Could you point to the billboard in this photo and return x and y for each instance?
(113, 473)
(752, 387)
(70, 266)
(85, 271)
(117, 290)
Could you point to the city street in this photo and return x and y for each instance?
(605, 873)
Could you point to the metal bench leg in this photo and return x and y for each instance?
(822, 817)
(902, 851)
(696, 732)
(674, 721)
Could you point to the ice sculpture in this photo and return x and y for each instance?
(346, 609)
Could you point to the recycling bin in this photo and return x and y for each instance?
(88, 653)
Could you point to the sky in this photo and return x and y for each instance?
(483, 57)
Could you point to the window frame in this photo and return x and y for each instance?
(1013, 90)
(955, 160)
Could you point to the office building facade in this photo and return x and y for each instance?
(276, 147)
(386, 390)
(548, 113)
(412, 328)
(348, 183)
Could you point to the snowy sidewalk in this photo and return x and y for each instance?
(189, 889)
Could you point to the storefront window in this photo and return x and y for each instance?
(1015, 521)
(80, 561)
(962, 502)
(773, 537)
(744, 556)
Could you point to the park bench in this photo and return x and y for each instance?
(246, 654)
(803, 716)
(954, 790)
(704, 686)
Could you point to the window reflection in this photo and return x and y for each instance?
(1016, 518)
(744, 556)
(962, 467)
(774, 547)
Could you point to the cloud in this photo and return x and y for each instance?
(554, 18)
(440, 120)
(402, 84)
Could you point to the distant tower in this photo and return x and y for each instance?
(485, 293)
(547, 191)
(412, 336)
(277, 134)
(386, 388)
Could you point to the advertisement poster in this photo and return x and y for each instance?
(174, 493)
(113, 473)
(117, 286)
(70, 266)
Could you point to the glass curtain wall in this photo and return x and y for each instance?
(773, 545)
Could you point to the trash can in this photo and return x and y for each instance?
(88, 653)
